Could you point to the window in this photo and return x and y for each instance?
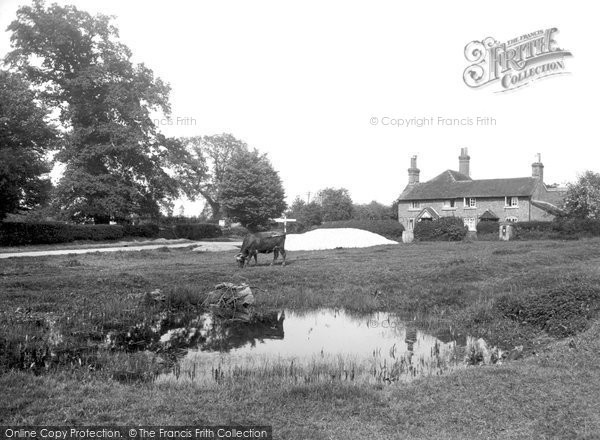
(512, 219)
(411, 224)
(470, 202)
(449, 204)
(511, 202)
(415, 205)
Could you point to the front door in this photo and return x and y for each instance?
(471, 223)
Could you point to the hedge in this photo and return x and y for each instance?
(390, 229)
(197, 231)
(560, 228)
(148, 230)
(443, 229)
(17, 234)
(236, 231)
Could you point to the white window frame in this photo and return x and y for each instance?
(411, 224)
(415, 205)
(512, 219)
(448, 204)
(472, 203)
(511, 202)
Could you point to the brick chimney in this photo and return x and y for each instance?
(463, 162)
(413, 171)
(537, 168)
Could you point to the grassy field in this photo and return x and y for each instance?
(543, 295)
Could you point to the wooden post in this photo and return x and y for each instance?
(285, 221)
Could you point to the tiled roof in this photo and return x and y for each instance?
(548, 207)
(432, 213)
(489, 215)
(451, 185)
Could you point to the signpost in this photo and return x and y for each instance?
(285, 221)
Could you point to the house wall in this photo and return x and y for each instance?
(496, 204)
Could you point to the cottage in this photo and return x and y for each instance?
(454, 193)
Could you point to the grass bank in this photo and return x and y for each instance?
(541, 295)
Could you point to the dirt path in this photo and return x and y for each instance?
(206, 246)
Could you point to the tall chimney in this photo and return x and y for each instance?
(463, 162)
(537, 168)
(413, 171)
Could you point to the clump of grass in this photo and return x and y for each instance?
(562, 310)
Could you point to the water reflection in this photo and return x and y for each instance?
(319, 345)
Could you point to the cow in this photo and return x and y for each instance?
(264, 243)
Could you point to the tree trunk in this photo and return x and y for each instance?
(215, 206)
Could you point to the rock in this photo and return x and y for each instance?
(231, 299)
(157, 295)
(515, 353)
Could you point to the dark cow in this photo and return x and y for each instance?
(264, 243)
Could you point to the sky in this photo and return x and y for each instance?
(318, 86)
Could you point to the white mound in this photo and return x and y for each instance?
(334, 238)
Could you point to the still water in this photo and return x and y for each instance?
(326, 344)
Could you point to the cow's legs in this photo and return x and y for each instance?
(283, 256)
(275, 255)
(255, 254)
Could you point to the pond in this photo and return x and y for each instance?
(326, 344)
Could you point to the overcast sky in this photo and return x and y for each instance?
(302, 81)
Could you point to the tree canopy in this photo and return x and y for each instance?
(336, 204)
(251, 190)
(373, 211)
(583, 197)
(213, 154)
(306, 214)
(115, 159)
(25, 138)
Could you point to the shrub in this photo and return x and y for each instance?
(390, 229)
(148, 230)
(180, 220)
(236, 231)
(18, 234)
(197, 231)
(563, 310)
(560, 228)
(443, 229)
(575, 226)
(97, 232)
(487, 227)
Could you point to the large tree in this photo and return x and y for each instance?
(251, 190)
(583, 197)
(336, 204)
(115, 160)
(213, 154)
(25, 138)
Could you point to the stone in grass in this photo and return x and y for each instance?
(231, 300)
(156, 295)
